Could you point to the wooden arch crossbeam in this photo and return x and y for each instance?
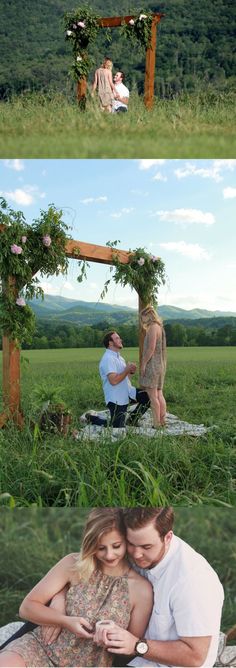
(116, 22)
(10, 349)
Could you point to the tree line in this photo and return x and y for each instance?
(195, 45)
(65, 335)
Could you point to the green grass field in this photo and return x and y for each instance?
(51, 126)
(50, 470)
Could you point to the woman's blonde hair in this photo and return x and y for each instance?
(151, 315)
(100, 521)
(107, 63)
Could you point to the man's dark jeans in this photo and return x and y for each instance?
(118, 413)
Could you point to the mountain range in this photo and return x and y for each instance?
(61, 309)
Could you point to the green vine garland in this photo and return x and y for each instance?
(81, 30)
(144, 273)
(82, 27)
(25, 250)
(139, 30)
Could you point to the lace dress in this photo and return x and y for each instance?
(102, 597)
(156, 367)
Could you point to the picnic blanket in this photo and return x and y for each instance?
(174, 427)
(226, 655)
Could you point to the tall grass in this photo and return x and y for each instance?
(38, 125)
(51, 470)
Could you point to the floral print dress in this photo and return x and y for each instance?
(156, 367)
(102, 597)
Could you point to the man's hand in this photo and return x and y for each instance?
(51, 633)
(120, 641)
(132, 367)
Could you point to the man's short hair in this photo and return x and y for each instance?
(108, 338)
(162, 518)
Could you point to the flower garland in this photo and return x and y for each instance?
(81, 30)
(25, 250)
(139, 30)
(143, 273)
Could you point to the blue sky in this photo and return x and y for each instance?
(183, 211)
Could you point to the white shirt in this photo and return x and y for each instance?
(123, 92)
(120, 394)
(188, 599)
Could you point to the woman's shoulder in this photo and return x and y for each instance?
(139, 582)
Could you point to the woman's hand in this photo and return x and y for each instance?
(102, 630)
(80, 626)
(143, 369)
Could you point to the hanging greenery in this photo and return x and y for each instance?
(139, 30)
(25, 250)
(81, 27)
(144, 273)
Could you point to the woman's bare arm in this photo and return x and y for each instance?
(142, 606)
(95, 83)
(34, 605)
(153, 334)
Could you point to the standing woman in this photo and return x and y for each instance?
(153, 363)
(103, 82)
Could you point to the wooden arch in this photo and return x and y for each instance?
(115, 22)
(10, 348)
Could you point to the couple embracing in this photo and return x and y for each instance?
(135, 595)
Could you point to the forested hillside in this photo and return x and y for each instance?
(195, 44)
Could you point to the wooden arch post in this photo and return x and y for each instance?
(116, 22)
(78, 250)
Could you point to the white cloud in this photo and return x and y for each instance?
(159, 177)
(49, 288)
(192, 251)
(229, 193)
(187, 217)
(16, 164)
(19, 196)
(24, 197)
(214, 171)
(120, 213)
(147, 164)
(90, 200)
(68, 286)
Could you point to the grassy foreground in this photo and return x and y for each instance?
(51, 126)
(49, 470)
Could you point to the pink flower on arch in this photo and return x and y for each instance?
(131, 22)
(20, 301)
(24, 239)
(81, 24)
(47, 240)
(154, 258)
(16, 250)
(141, 261)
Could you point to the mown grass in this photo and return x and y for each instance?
(37, 125)
(51, 470)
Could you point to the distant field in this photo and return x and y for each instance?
(40, 126)
(48, 470)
